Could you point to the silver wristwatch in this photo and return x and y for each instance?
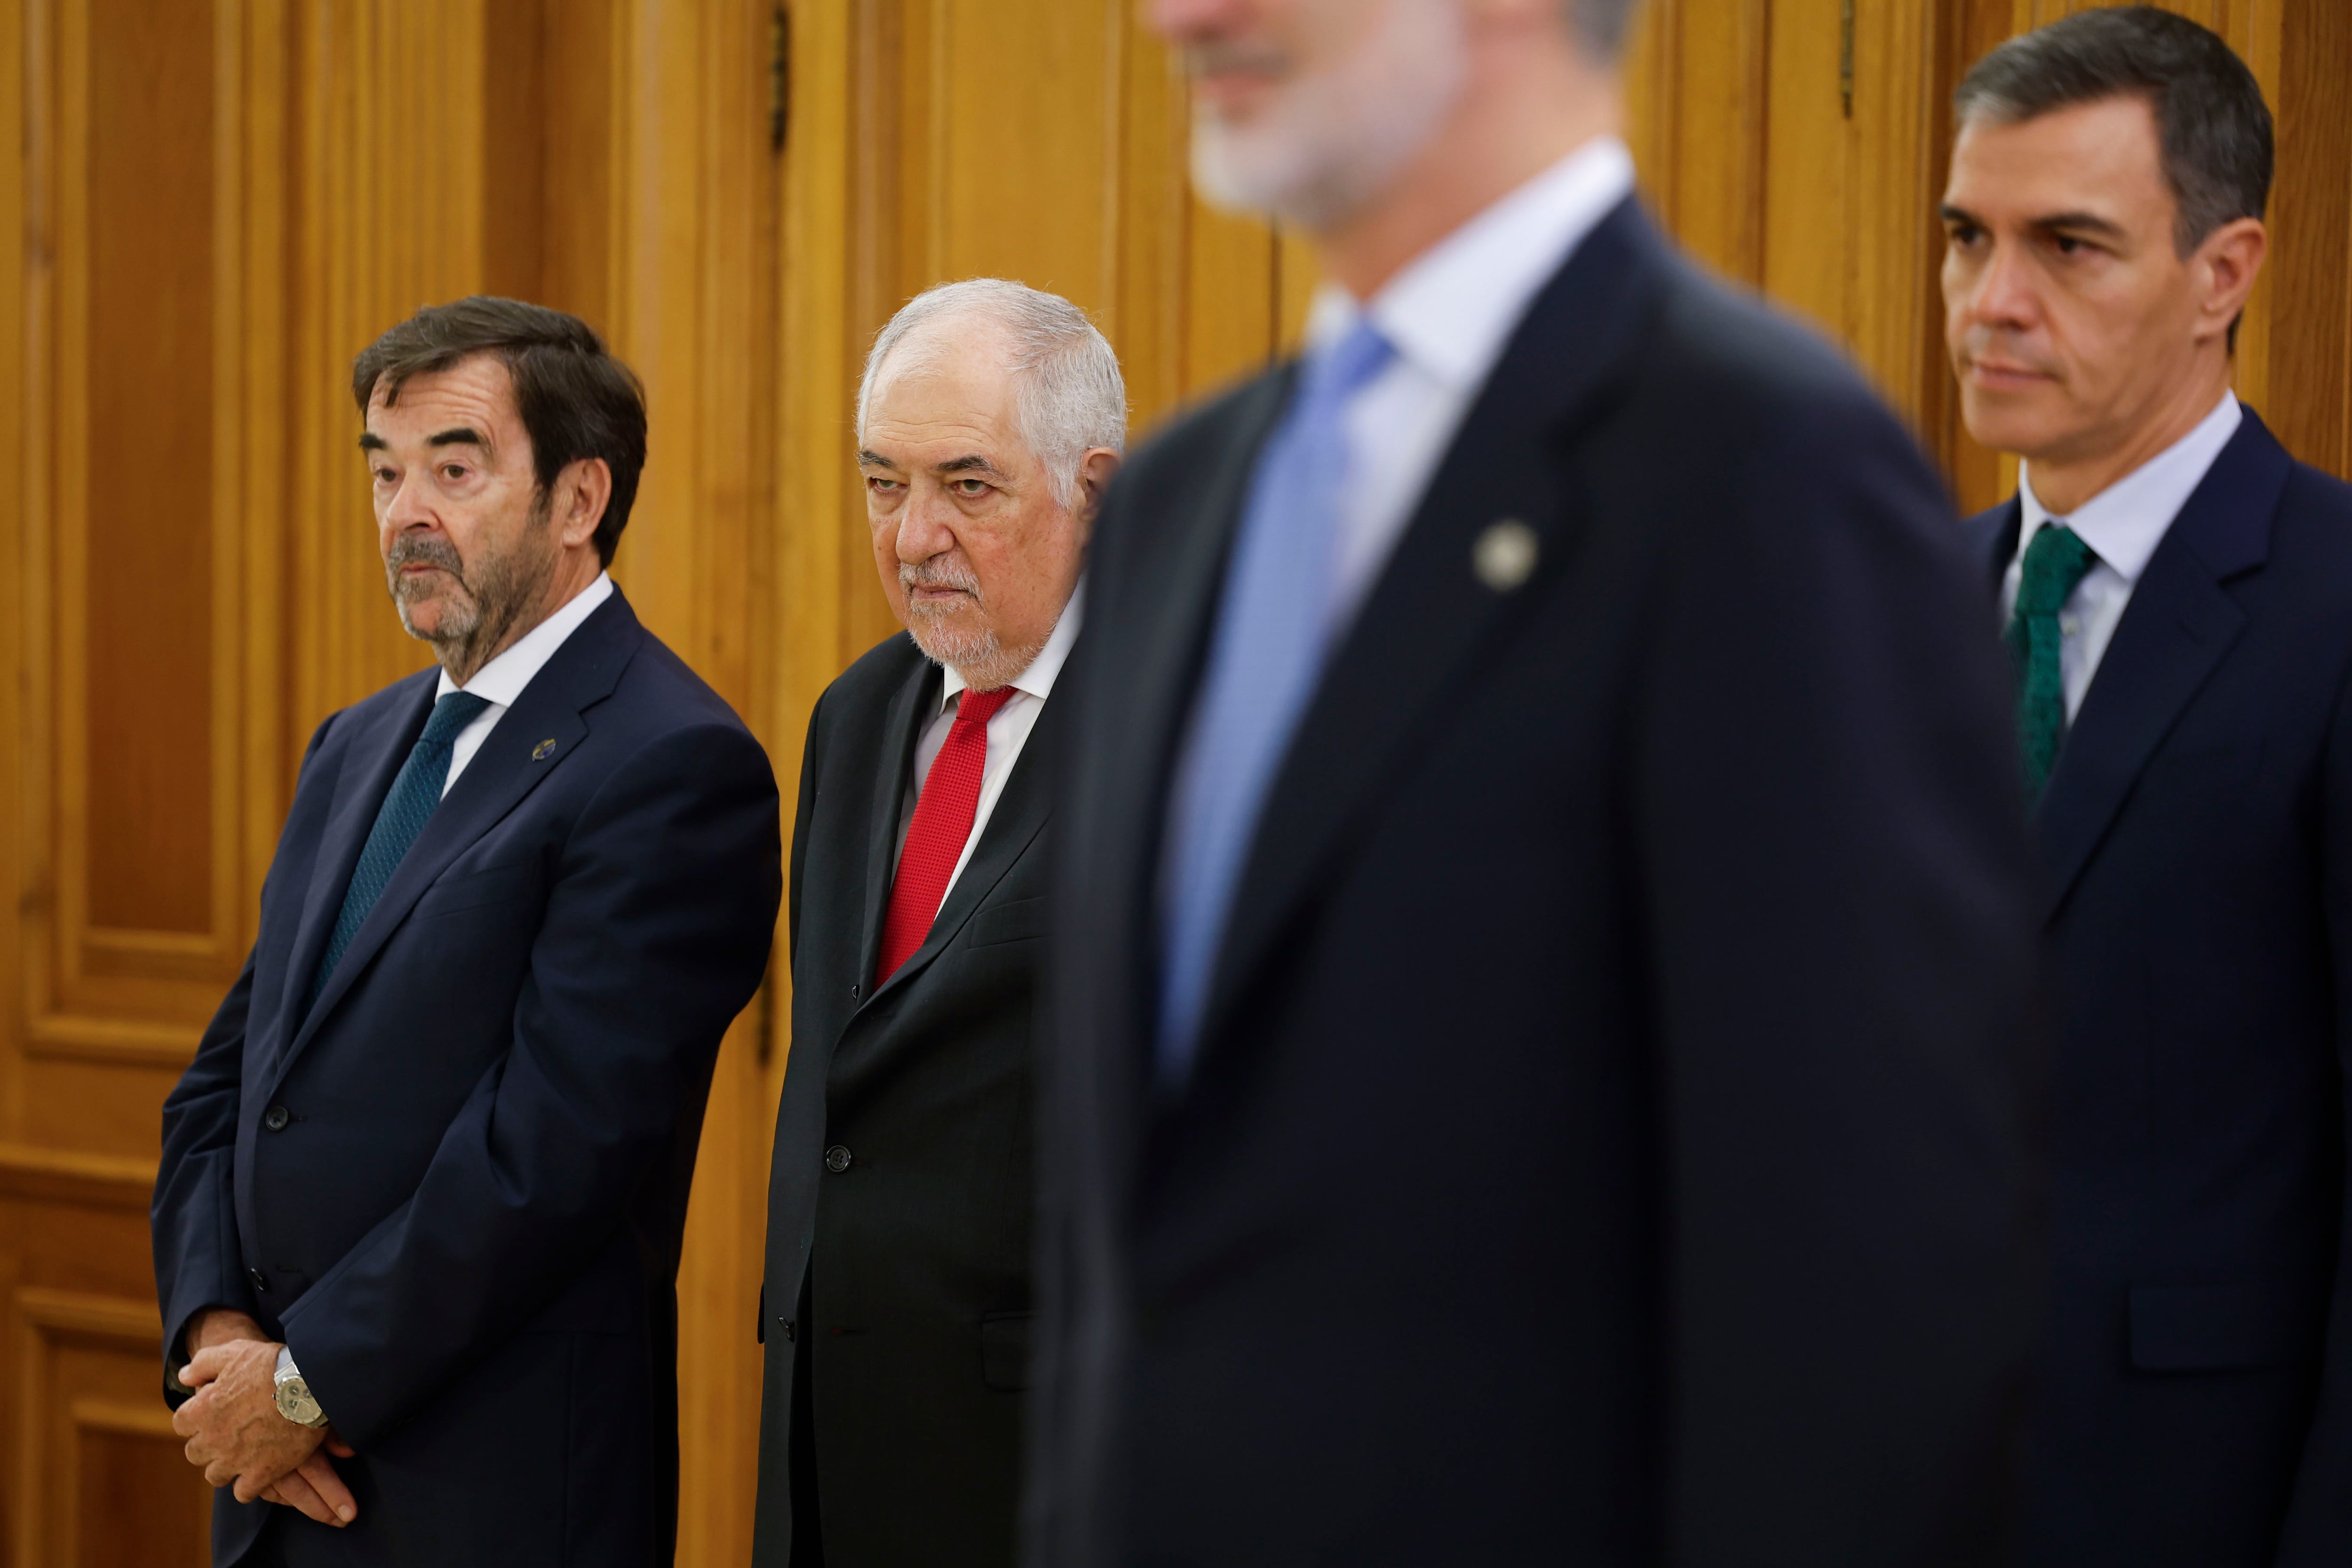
(295, 1401)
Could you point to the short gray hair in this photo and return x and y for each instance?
(1068, 395)
(1601, 25)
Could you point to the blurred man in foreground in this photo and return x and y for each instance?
(897, 1297)
(423, 1188)
(1543, 1063)
(2178, 593)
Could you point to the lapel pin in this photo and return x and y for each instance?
(1505, 554)
(541, 752)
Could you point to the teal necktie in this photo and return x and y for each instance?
(2055, 561)
(401, 818)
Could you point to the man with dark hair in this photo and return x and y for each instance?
(423, 1188)
(2177, 596)
(1541, 1067)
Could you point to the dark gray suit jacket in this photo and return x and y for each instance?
(900, 1283)
(1612, 1139)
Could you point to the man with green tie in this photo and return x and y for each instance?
(2177, 596)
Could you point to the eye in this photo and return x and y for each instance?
(385, 476)
(970, 488)
(453, 472)
(876, 482)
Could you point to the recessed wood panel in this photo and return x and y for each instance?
(147, 443)
(135, 1506)
(1022, 97)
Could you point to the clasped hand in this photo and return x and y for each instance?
(237, 1436)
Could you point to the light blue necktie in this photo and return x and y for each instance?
(406, 806)
(1275, 622)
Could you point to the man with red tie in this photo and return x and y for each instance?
(896, 1300)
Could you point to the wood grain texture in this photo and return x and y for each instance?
(222, 201)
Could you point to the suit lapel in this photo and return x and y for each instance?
(373, 761)
(2179, 622)
(513, 761)
(1152, 665)
(916, 704)
(1019, 817)
(1429, 614)
(1995, 535)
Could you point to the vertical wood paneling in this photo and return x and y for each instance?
(222, 201)
(143, 445)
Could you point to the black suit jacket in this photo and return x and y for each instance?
(2197, 1406)
(899, 1285)
(456, 1185)
(1610, 1138)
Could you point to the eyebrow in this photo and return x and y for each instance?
(371, 442)
(2050, 223)
(969, 463)
(458, 436)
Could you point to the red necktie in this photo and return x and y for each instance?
(951, 799)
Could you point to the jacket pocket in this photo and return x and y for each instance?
(1004, 1351)
(497, 885)
(2211, 1327)
(1012, 922)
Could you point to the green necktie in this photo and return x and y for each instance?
(2054, 563)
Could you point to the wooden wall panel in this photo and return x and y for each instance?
(222, 201)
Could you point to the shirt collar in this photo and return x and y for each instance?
(501, 680)
(2124, 523)
(1037, 680)
(1452, 309)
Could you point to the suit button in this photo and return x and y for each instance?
(853, 994)
(787, 1322)
(836, 1159)
(260, 1280)
(276, 1118)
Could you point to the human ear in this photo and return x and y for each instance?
(583, 491)
(2226, 266)
(1095, 472)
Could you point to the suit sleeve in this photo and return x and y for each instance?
(2319, 1516)
(192, 1220)
(1837, 886)
(655, 934)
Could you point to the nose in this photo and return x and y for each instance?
(1185, 21)
(408, 508)
(923, 527)
(2003, 295)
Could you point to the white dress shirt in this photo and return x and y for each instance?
(1008, 730)
(2123, 524)
(1448, 315)
(501, 680)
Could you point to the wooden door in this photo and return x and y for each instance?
(222, 201)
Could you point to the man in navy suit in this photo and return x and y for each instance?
(423, 1188)
(1540, 1067)
(2178, 594)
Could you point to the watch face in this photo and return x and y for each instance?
(295, 1404)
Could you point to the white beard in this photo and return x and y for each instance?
(1329, 142)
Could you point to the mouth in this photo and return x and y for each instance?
(2001, 375)
(939, 597)
(1226, 82)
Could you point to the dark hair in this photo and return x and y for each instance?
(2212, 123)
(1601, 25)
(577, 401)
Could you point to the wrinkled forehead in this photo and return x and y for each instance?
(2103, 157)
(476, 393)
(947, 382)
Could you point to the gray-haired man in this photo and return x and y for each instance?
(897, 1298)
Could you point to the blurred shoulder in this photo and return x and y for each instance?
(1752, 372)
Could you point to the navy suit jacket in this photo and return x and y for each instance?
(456, 1184)
(2196, 1407)
(1611, 1141)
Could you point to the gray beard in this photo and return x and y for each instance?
(480, 613)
